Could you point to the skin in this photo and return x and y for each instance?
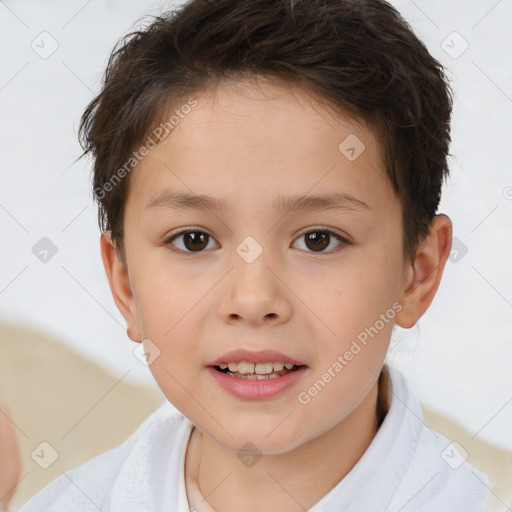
(248, 143)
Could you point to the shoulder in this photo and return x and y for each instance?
(84, 488)
(442, 475)
(438, 475)
(90, 486)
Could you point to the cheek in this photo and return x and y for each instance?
(355, 305)
(162, 293)
(169, 308)
(378, 274)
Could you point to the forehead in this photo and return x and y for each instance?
(258, 139)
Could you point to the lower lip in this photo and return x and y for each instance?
(256, 389)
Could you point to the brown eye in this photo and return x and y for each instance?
(318, 240)
(198, 241)
(192, 240)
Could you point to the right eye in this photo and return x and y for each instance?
(193, 240)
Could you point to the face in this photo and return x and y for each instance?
(310, 282)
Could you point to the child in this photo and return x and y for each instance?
(268, 174)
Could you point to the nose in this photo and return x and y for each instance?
(254, 293)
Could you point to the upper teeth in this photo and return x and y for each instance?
(258, 368)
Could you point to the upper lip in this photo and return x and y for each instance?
(261, 356)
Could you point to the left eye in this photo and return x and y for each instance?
(317, 240)
(197, 241)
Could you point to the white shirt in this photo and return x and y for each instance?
(407, 468)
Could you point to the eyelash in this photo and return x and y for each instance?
(168, 241)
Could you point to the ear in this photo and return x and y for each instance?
(120, 286)
(424, 275)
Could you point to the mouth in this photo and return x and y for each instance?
(258, 371)
(256, 375)
(257, 381)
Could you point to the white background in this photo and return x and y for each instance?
(460, 357)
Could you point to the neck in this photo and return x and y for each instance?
(283, 481)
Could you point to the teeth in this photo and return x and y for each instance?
(253, 376)
(263, 368)
(244, 367)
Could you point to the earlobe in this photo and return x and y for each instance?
(424, 275)
(120, 287)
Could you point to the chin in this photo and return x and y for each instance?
(264, 436)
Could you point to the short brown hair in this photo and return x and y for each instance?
(360, 56)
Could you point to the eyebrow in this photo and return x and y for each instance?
(187, 201)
